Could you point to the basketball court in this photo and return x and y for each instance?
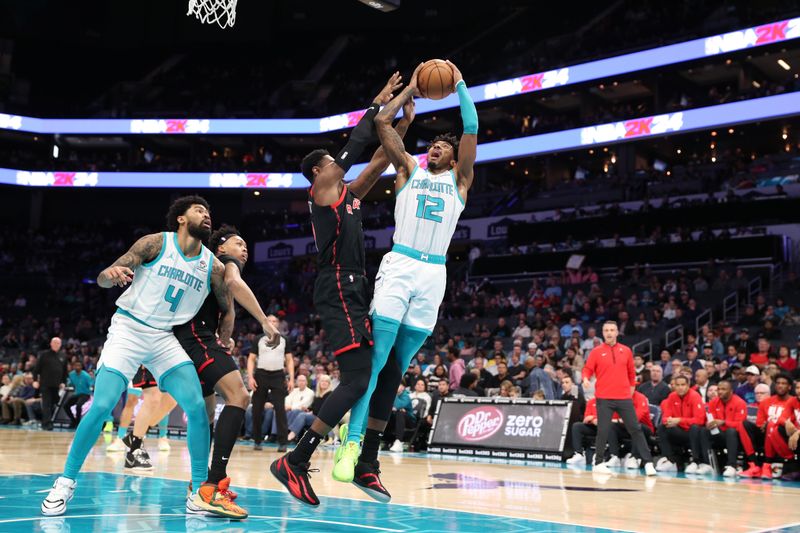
(429, 494)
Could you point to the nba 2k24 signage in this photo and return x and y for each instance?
(522, 429)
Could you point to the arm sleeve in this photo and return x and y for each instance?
(469, 114)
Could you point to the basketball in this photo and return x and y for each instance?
(435, 79)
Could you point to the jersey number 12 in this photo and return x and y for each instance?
(429, 207)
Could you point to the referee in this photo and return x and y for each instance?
(612, 363)
(266, 376)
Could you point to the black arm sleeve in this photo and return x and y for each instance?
(363, 134)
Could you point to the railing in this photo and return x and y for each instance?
(730, 308)
(637, 349)
(706, 317)
(753, 289)
(775, 279)
(673, 337)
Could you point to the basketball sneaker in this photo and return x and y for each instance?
(344, 469)
(752, 471)
(691, 468)
(224, 488)
(296, 480)
(108, 427)
(729, 472)
(59, 496)
(116, 446)
(578, 459)
(138, 459)
(209, 500)
(368, 478)
(766, 471)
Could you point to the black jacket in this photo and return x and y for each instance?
(51, 368)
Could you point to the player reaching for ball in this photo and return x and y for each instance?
(341, 289)
(411, 281)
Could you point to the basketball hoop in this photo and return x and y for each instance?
(222, 12)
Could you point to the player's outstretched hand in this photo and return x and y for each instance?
(413, 82)
(118, 276)
(409, 110)
(389, 90)
(457, 77)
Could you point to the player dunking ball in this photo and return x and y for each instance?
(170, 274)
(412, 278)
(341, 291)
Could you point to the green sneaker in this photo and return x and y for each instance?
(343, 429)
(108, 427)
(345, 462)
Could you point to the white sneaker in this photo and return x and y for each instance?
(632, 463)
(649, 469)
(59, 496)
(397, 446)
(578, 460)
(614, 462)
(602, 468)
(704, 470)
(117, 446)
(163, 444)
(665, 465)
(691, 468)
(729, 472)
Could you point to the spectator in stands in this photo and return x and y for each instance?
(439, 374)
(11, 409)
(785, 361)
(655, 390)
(747, 391)
(638, 366)
(619, 435)
(701, 384)
(457, 368)
(297, 402)
(82, 383)
(539, 379)
(502, 329)
(421, 393)
(516, 369)
(442, 391)
(728, 414)
(589, 343)
(584, 433)
(713, 392)
(723, 370)
(761, 357)
(303, 418)
(485, 378)
(682, 417)
(51, 373)
(403, 417)
(665, 362)
(691, 359)
(569, 327)
(502, 375)
(522, 330)
(467, 385)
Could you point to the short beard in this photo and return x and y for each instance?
(433, 166)
(198, 232)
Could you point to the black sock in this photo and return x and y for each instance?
(136, 442)
(211, 434)
(372, 442)
(228, 424)
(306, 446)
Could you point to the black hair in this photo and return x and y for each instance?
(310, 161)
(179, 208)
(680, 376)
(450, 139)
(729, 382)
(787, 377)
(467, 379)
(220, 236)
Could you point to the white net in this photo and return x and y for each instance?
(222, 12)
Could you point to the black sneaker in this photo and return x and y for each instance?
(127, 440)
(138, 459)
(296, 480)
(368, 478)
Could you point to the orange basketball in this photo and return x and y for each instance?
(435, 79)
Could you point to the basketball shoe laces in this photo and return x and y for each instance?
(224, 488)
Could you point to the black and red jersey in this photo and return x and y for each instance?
(338, 233)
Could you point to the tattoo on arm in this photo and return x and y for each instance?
(377, 165)
(220, 288)
(144, 250)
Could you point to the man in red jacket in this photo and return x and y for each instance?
(728, 412)
(612, 364)
(683, 414)
(772, 416)
(619, 434)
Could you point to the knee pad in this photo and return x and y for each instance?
(356, 381)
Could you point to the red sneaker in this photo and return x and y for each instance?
(752, 471)
(224, 489)
(766, 471)
(296, 480)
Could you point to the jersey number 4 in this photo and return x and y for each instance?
(173, 297)
(429, 207)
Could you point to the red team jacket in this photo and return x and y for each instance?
(733, 413)
(690, 409)
(614, 369)
(640, 402)
(774, 411)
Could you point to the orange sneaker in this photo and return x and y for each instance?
(753, 470)
(766, 471)
(224, 488)
(209, 500)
